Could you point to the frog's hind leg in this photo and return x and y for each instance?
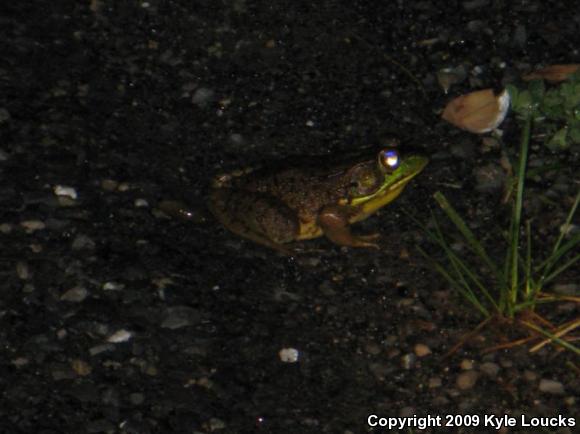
(257, 217)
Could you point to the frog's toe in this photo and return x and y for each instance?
(365, 241)
(369, 237)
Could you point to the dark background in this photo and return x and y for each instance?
(131, 102)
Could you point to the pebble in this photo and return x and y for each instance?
(408, 361)
(4, 115)
(177, 317)
(435, 382)
(447, 77)
(215, 424)
(120, 336)
(136, 398)
(81, 367)
(23, 270)
(65, 191)
(31, 226)
(464, 149)
(466, 380)
(113, 286)
(141, 203)
(372, 348)
(289, 355)
(98, 349)
(489, 368)
(422, 350)
(551, 386)
(83, 242)
(466, 364)
(75, 295)
(202, 96)
(489, 178)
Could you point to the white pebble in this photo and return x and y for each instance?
(113, 286)
(289, 355)
(120, 336)
(141, 203)
(63, 190)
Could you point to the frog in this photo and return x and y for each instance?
(285, 203)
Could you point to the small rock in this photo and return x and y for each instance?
(65, 191)
(177, 317)
(489, 178)
(215, 424)
(202, 96)
(32, 225)
(552, 387)
(20, 362)
(75, 295)
(289, 355)
(464, 150)
(434, 382)
(82, 242)
(113, 286)
(466, 364)
(422, 350)
(120, 336)
(408, 361)
(81, 367)
(141, 203)
(98, 349)
(4, 115)
(136, 398)
(489, 368)
(23, 271)
(372, 348)
(466, 380)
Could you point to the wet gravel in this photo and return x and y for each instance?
(117, 319)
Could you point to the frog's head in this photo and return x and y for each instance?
(376, 183)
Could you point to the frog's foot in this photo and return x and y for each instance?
(334, 221)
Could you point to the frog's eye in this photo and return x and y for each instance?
(389, 159)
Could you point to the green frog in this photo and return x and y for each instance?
(273, 206)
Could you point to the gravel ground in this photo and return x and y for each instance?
(117, 319)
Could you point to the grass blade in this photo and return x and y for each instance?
(474, 244)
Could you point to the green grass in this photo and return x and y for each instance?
(515, 287)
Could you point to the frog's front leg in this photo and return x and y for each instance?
(334, 221)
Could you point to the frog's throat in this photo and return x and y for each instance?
(368, 208)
